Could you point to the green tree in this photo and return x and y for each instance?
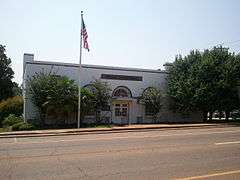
(227, 96)
(101, 91)
(17, 90)
(205, 81)
(182, 84)
(152, 99)
(6, 75)
(12, 105)
(50, 92)
(88, 100)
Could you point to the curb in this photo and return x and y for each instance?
(105, 131)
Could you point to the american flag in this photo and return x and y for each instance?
(85, 36)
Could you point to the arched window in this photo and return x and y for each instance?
(122, 92)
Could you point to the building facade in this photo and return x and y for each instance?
(127, 86)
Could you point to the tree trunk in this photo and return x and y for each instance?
(155, 118)
(98, 117)
(220, 115)
(42, 117)
(65, 118)
(205, 116)
(210, 116)
(227, 113)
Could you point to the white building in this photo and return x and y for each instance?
(127, 85)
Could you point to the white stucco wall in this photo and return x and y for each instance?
(150, 78)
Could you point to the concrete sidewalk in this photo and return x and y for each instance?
(115, 129)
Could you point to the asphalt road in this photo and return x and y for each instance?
(210, 153)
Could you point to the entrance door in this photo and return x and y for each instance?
(121, 113)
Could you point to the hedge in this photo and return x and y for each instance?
(13, 105)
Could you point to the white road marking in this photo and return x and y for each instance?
(210, 175)
(15, 140)
(123, 137)
(225, 143)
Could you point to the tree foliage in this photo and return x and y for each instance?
(6, 75)
(59, 94)
(205, 81)
(52, 92)
(11, 120)
(16, 123)
(13, 105)
(88, 100)
(101, 92)
(17, 90)
(152, 99)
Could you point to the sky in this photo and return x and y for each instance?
(125, 33)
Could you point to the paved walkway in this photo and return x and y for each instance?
(57, 132)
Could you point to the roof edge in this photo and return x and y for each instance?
(95, 66)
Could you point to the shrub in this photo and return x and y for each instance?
(13, 105)
(22, 126)
(51, 92)
(15, 123)
(152, 98)
(11, 120)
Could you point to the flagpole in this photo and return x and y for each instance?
(79, 74)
